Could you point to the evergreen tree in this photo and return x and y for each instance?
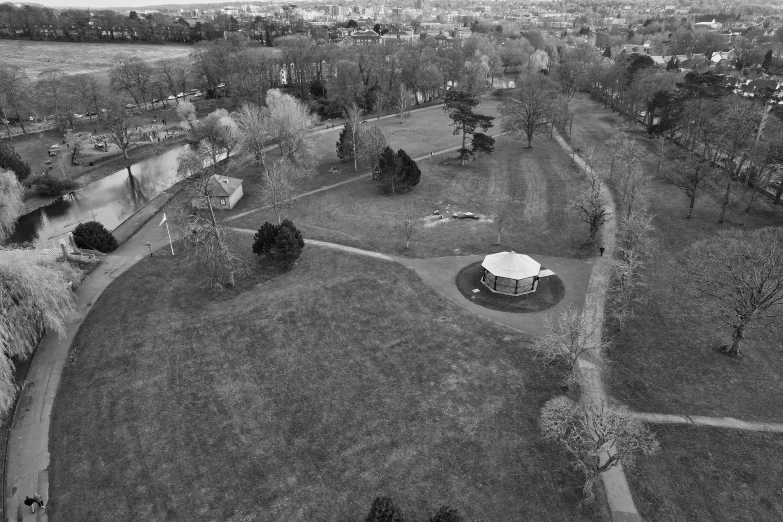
(482, 144)
(409, 173)
(287, 247)
(94, 236)
(383, 510)
(264, 239)
(673, 64)
(345, 143)
(387, 173)
(446, 514)
(459, 105)
(10, 160)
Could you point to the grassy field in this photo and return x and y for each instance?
(539, 183)
(664, 363)
(78, 58)
(300, 398)
(706, 474)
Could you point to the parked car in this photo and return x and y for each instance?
(197, 95)
(5, 122)
(156, 101)
(181, 95)
(221, 85)
(171, 98)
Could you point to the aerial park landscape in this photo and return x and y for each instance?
(325, 275)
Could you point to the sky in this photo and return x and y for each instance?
(102, 4)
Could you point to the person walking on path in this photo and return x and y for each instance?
(34, 501)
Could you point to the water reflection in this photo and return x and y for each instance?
(108, 201)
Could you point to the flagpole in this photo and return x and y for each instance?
(169, 233)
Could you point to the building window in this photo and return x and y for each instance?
(223, 201)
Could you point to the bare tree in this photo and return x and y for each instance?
(120, 127)
(291, 124)
(689, 174)
(187, 111)
(86, 90)
(566, 339)
(598, 435)
(14, 93)
(354, 120)
(502, 215)
(255, 133)
(203, 237)
(409, 222)
(625, 285)
(532, 107)
(278, 189)
(371, 143)
(51, 83)
(738, 277)
(11, 202)
(591, 205)
(633, 185)
(403, 100)
(214, 135)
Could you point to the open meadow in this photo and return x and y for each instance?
(301, 398)
(79, 58)
(538, 184)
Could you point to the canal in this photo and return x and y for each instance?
(109, 201)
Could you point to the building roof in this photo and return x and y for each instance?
(511, 265)
(222, 186)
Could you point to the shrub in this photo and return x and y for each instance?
(264, 239)
(446, 514)
(10, 160)
(383, 510)
(345, 143)
(49, 185)
(94, 236)
(281, 242)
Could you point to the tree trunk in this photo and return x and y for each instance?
(125, 153)
(690, 208)
(462, 152)
(779, 192)
(736, 340)
(7, 128)
(725, 202)
(21, 123)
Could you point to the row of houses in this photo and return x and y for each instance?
(370, 37)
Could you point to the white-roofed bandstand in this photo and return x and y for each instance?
(510, 273)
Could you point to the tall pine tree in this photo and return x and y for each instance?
(345, 143)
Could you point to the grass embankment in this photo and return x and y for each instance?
(301, 398)
(539, 184)
(549, 292)
(662, 362)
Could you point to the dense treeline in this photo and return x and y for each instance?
(73, 25)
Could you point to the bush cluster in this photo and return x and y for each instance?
(281, 242)
(49, 185)
(10, 160)
(384, 510)
(94, 236)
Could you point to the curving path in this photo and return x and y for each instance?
(440, 273)
(28, 444)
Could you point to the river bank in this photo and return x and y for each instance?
(108, 167)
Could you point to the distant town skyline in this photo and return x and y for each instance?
(104, 4)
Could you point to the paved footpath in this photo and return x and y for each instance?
(28, 444)
(441, 272)
(618, 492)
(713, 422)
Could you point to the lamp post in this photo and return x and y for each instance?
(150, 247)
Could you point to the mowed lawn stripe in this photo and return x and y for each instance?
(539, 182)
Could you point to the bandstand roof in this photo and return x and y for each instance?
(511, 265)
